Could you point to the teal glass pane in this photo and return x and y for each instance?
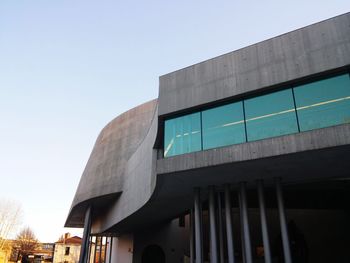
(223, 126)
(323, 103)
(270, 115)
(182, 135)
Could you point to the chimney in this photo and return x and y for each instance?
(66, 236)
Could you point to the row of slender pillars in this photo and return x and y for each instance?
(216, 241)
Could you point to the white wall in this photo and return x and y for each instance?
(122, 249)
(60, 257)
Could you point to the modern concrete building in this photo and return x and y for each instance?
(243, 158)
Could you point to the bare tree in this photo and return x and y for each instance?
(10, 219)
(26, 241)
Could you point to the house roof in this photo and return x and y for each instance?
(70, 240)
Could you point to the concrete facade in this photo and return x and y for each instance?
(290, 57)
(136, 194)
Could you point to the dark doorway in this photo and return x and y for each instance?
(153, 254)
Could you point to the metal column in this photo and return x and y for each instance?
(241, 228)
(95, 251)
(265, 234)
(100, 255)
(220, 229)
(246, 231)
(229, 232)
(191, 237)
(105, 250)
(86, 235)
(212, 221)
(110, 249)
(283, 222)
(90, 249)
(198, 225)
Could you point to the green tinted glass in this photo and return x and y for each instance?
(270, 115)
(182, 135)
(223, 126)
(323, 103)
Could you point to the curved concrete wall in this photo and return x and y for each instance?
(139, 183)
(107, 170)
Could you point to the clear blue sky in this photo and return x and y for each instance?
(68, 67)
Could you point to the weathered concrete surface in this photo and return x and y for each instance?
(301, 53)
(105, 172)
(139, 183)
(282, 145)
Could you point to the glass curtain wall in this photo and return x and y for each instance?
(323, 103)
(223, 126)
(305, 107)
(183, 135)
(270, 115)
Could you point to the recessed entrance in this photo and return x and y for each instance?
(153, 254)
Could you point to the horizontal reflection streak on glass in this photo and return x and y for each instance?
(223, 126)
(323, 103)
(226, 125)
(186, 134)
(233, 123)
(270, 115)
(182, 135)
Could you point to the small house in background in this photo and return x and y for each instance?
(67, 249)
